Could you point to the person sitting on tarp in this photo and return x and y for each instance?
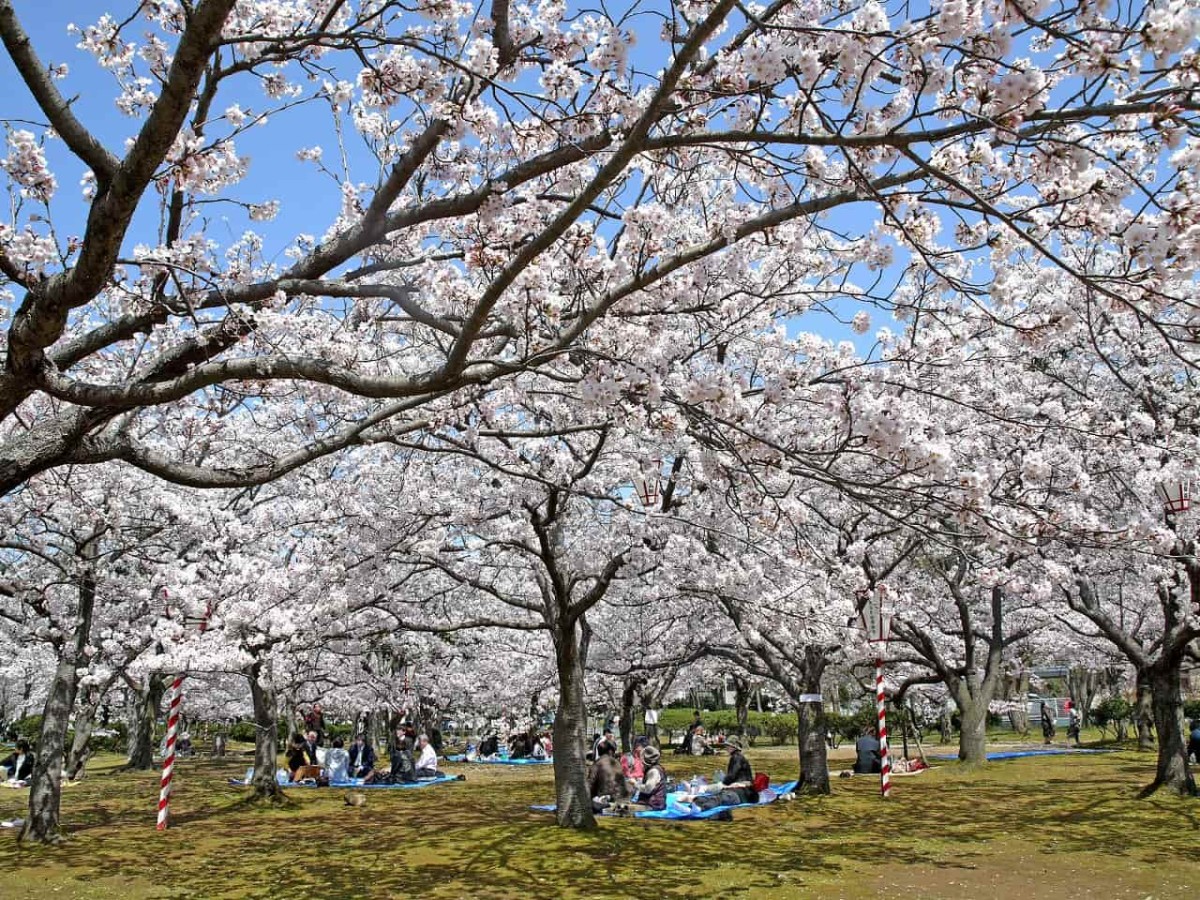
(299, 768)
(652, 788)
(489, 746)
(539, 748)
(700, 745)
(605, 745)
(362, 757)
(868, 753)
(518, 746)
(632, 766)
(403, 771)
(427, 762)
(18, 765)
(337, 763)
(606, 784)
(739, 771)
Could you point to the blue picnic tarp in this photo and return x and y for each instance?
(1019, 754)
(678, 811)
(357, 783)
(499, 760)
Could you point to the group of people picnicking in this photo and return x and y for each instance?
(308, 761)
(412, 757)
(521, 745)
(638, 777)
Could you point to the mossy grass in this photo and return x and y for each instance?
(1067, 826)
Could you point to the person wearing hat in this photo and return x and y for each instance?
(739, 771)
(652, 788)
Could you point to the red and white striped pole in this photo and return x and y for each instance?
(164, 796)
(885, 761)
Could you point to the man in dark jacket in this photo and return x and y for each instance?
(310, 748)
(362, 757)
(18, 766)
(739, 771)
(868, 753)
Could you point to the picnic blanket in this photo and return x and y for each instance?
(357, 783)
(500, 761)
(677, 810)
(1018, 754)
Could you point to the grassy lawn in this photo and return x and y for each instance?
(1040, 827)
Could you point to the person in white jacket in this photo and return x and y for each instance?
(337, 763)
(427, 762)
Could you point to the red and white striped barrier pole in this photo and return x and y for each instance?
(885, 761)
(164, 796)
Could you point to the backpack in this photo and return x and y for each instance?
(761, 782)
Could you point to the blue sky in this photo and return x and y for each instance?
(308, 200)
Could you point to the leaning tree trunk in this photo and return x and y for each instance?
(1171, 773)
(77, 756)
(141, 738)
(574, 804)
(1143, 711)
(45, 788)
(266, 734)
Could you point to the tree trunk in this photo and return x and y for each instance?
(945, 723)
(77, 757)
(141, 738)
(742, 692)
(972, 736)
(1143, 711)
(266, 734)
(45, 788)
(625, 722)
(811, 728)
(1018, 691)
(1172, 773)
(1082, 684)
(574, 805)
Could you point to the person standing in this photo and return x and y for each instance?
(314, 721)
(1075, 725)
(1047, 722)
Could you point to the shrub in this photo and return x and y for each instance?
(780, 727)
(29, 727)
(242, 732)
(1113, 712)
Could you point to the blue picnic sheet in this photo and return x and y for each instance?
(499, 760)
(678, 811)
(1018, 754)
(357, 783)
